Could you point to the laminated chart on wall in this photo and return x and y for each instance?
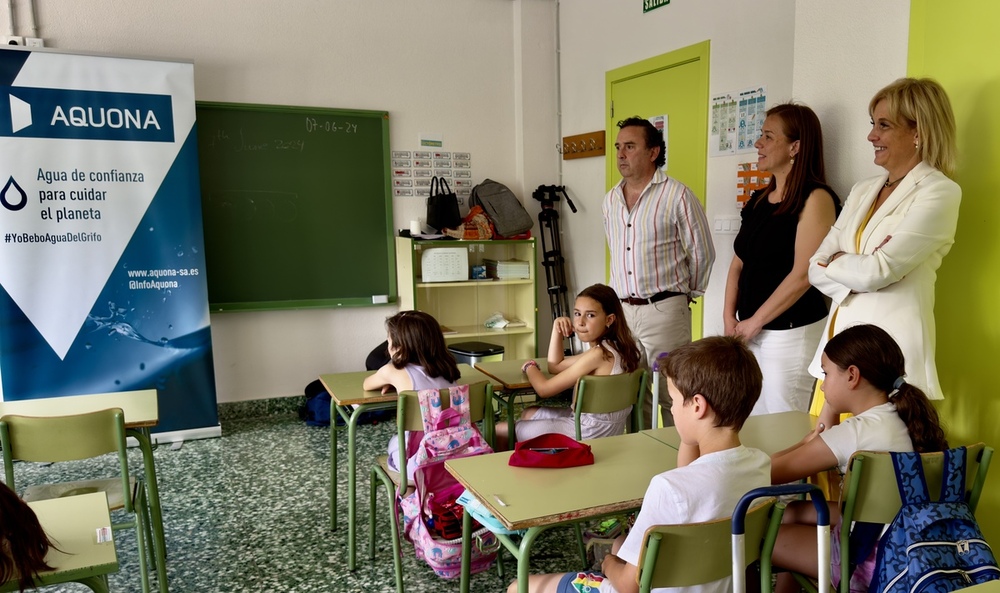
(102, 284)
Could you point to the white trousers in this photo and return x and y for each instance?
(658, 327)
(784, 357)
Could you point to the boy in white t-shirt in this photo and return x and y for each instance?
(713, 385)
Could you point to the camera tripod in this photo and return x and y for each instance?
(552, 258)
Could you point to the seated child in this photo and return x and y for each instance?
(863, 368)
(713, 384)
(23, 543)
(419, 360)
(599, 322)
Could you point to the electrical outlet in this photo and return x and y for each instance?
(12, 40)
(34, 42)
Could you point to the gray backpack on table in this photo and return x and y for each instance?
(502, 207)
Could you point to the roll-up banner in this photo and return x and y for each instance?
(102, 266)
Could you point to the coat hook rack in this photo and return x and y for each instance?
(582, 145)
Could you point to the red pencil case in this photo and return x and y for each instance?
(551, 450)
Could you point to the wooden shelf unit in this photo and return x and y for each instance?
(463, 306)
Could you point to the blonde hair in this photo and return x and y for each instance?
(923, 103)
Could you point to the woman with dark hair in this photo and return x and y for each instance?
(769, 301)
(879, 261)
(599, 322)
(23, 543)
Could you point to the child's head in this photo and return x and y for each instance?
(879, 361)
(723, 371)
(416, 338)
(23, 543)
(604, 299)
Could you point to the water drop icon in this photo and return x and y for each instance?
(12, 189)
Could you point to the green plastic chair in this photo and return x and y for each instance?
(871, 494)
(610, 393)
(53, 439)
(699, 553)
(410, 418)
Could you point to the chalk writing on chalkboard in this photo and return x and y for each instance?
(297, 206)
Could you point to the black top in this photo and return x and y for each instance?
(766, 245)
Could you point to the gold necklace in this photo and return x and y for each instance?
(889, 184)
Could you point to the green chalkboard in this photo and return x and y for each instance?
(297, 206)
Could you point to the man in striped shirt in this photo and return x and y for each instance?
(660, 243)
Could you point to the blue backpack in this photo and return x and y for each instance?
(932, 546)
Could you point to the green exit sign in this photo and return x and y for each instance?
(648, 5)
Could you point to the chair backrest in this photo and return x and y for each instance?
(49, 439)
(870, 491)
(610, 393)
(699, 553)
(410, 418)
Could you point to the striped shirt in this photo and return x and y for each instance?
(663, 244)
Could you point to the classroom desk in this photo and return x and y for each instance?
(511, 381)
(71, 525)
(770, 432)
(348, 399)
(141, 411)
(538, 499)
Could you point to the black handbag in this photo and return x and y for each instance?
(442, 206)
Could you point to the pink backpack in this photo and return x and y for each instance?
(432, 516)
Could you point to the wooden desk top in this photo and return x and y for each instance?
(623, 467)
(346, 388)
(507, 373)
(72, 524)
(140, 407)
(770, 432)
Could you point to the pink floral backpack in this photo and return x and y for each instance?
(432, 516)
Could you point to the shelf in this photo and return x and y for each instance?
(468, 283)
(479, 331)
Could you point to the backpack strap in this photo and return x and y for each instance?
(430, 407)
(910, 478)
(953, 481)
(459, 396)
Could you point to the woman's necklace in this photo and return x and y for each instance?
(889, 184)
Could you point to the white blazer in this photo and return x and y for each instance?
(890, 283)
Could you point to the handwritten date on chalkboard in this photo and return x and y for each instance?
(314, 125)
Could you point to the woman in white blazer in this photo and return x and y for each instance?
(879, 261)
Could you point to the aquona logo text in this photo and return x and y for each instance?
(99, 117)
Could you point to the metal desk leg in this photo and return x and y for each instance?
(334, 412)
(524, 555)
(352, 464)
(463, 578)
(155, 512)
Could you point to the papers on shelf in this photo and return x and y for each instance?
(507, 270)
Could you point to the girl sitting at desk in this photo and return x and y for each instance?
(419, 359)
(599, 322)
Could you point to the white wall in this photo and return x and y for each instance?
(845, 52)
(830, 55)
(479, 72)
(751, 45)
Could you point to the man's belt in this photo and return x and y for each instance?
(660, 296)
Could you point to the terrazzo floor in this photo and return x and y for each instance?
(248, 512)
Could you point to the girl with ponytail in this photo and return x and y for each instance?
(864, 376)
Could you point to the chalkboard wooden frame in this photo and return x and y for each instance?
(297, 206)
